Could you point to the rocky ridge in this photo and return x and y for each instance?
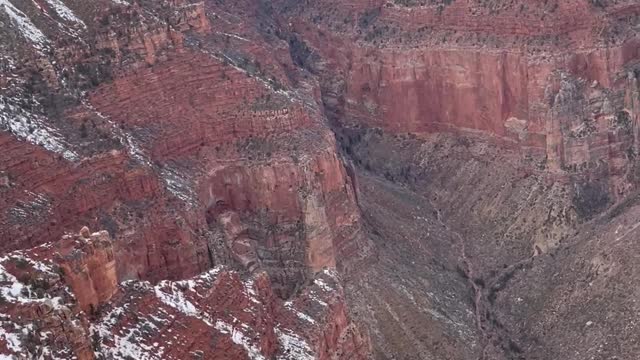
(449, 158)
(62, 306)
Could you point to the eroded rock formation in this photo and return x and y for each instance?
(169, 131)
(89, 267)
(448, 158)
(69, 305)
(179, 132)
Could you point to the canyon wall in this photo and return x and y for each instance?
(507, 127)
(63, 306)
(179, 120)
(89, 268)
(191, 137)
(560, 84)
(202, 137)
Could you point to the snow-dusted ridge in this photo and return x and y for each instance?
(126, 345)
(177, 185)
(32, 128)
(293, 346)
(14, 291)
(24, 25)
(64, 12)
(239, 338)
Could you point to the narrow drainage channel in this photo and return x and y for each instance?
(482, 309)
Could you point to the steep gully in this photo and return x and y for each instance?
(482, 307)
(481, 285)
(495, 341)
(483, 288)
(473, 273)
(470, 275)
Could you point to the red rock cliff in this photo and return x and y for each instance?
(181, 116)
(554, 80)
(89, 268)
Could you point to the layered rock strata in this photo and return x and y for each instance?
(60, 301)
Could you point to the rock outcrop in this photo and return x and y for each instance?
(229, 317)
(82, 314)
(89, 268)
(41, 317)
(180, 114)
(557, 80)
(249, 158)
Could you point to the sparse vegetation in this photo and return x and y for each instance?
(369, 17)
(21, 263)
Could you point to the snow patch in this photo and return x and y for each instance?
(332, 273)
(240, 339)
(293, 346)
(24, 25)
(289, 306)
(323, 285)
(251, 292)
(234, 36)
(315, 298)
(204, 279)
(127, 343)
(37, 265)
(176, 300)
(15, 291)
(65, 13)
(179, 186)
(125, 346)
(13, 342)
(32, 128)
(304, 316)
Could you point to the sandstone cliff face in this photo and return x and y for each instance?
(479, 138)
(554, 83)
(89, 268)
(46, 315)
(290, 218)
(175, 106)
(175, 126)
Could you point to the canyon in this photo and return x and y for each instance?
(330, 179)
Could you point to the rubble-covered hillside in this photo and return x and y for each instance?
(330, 179)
